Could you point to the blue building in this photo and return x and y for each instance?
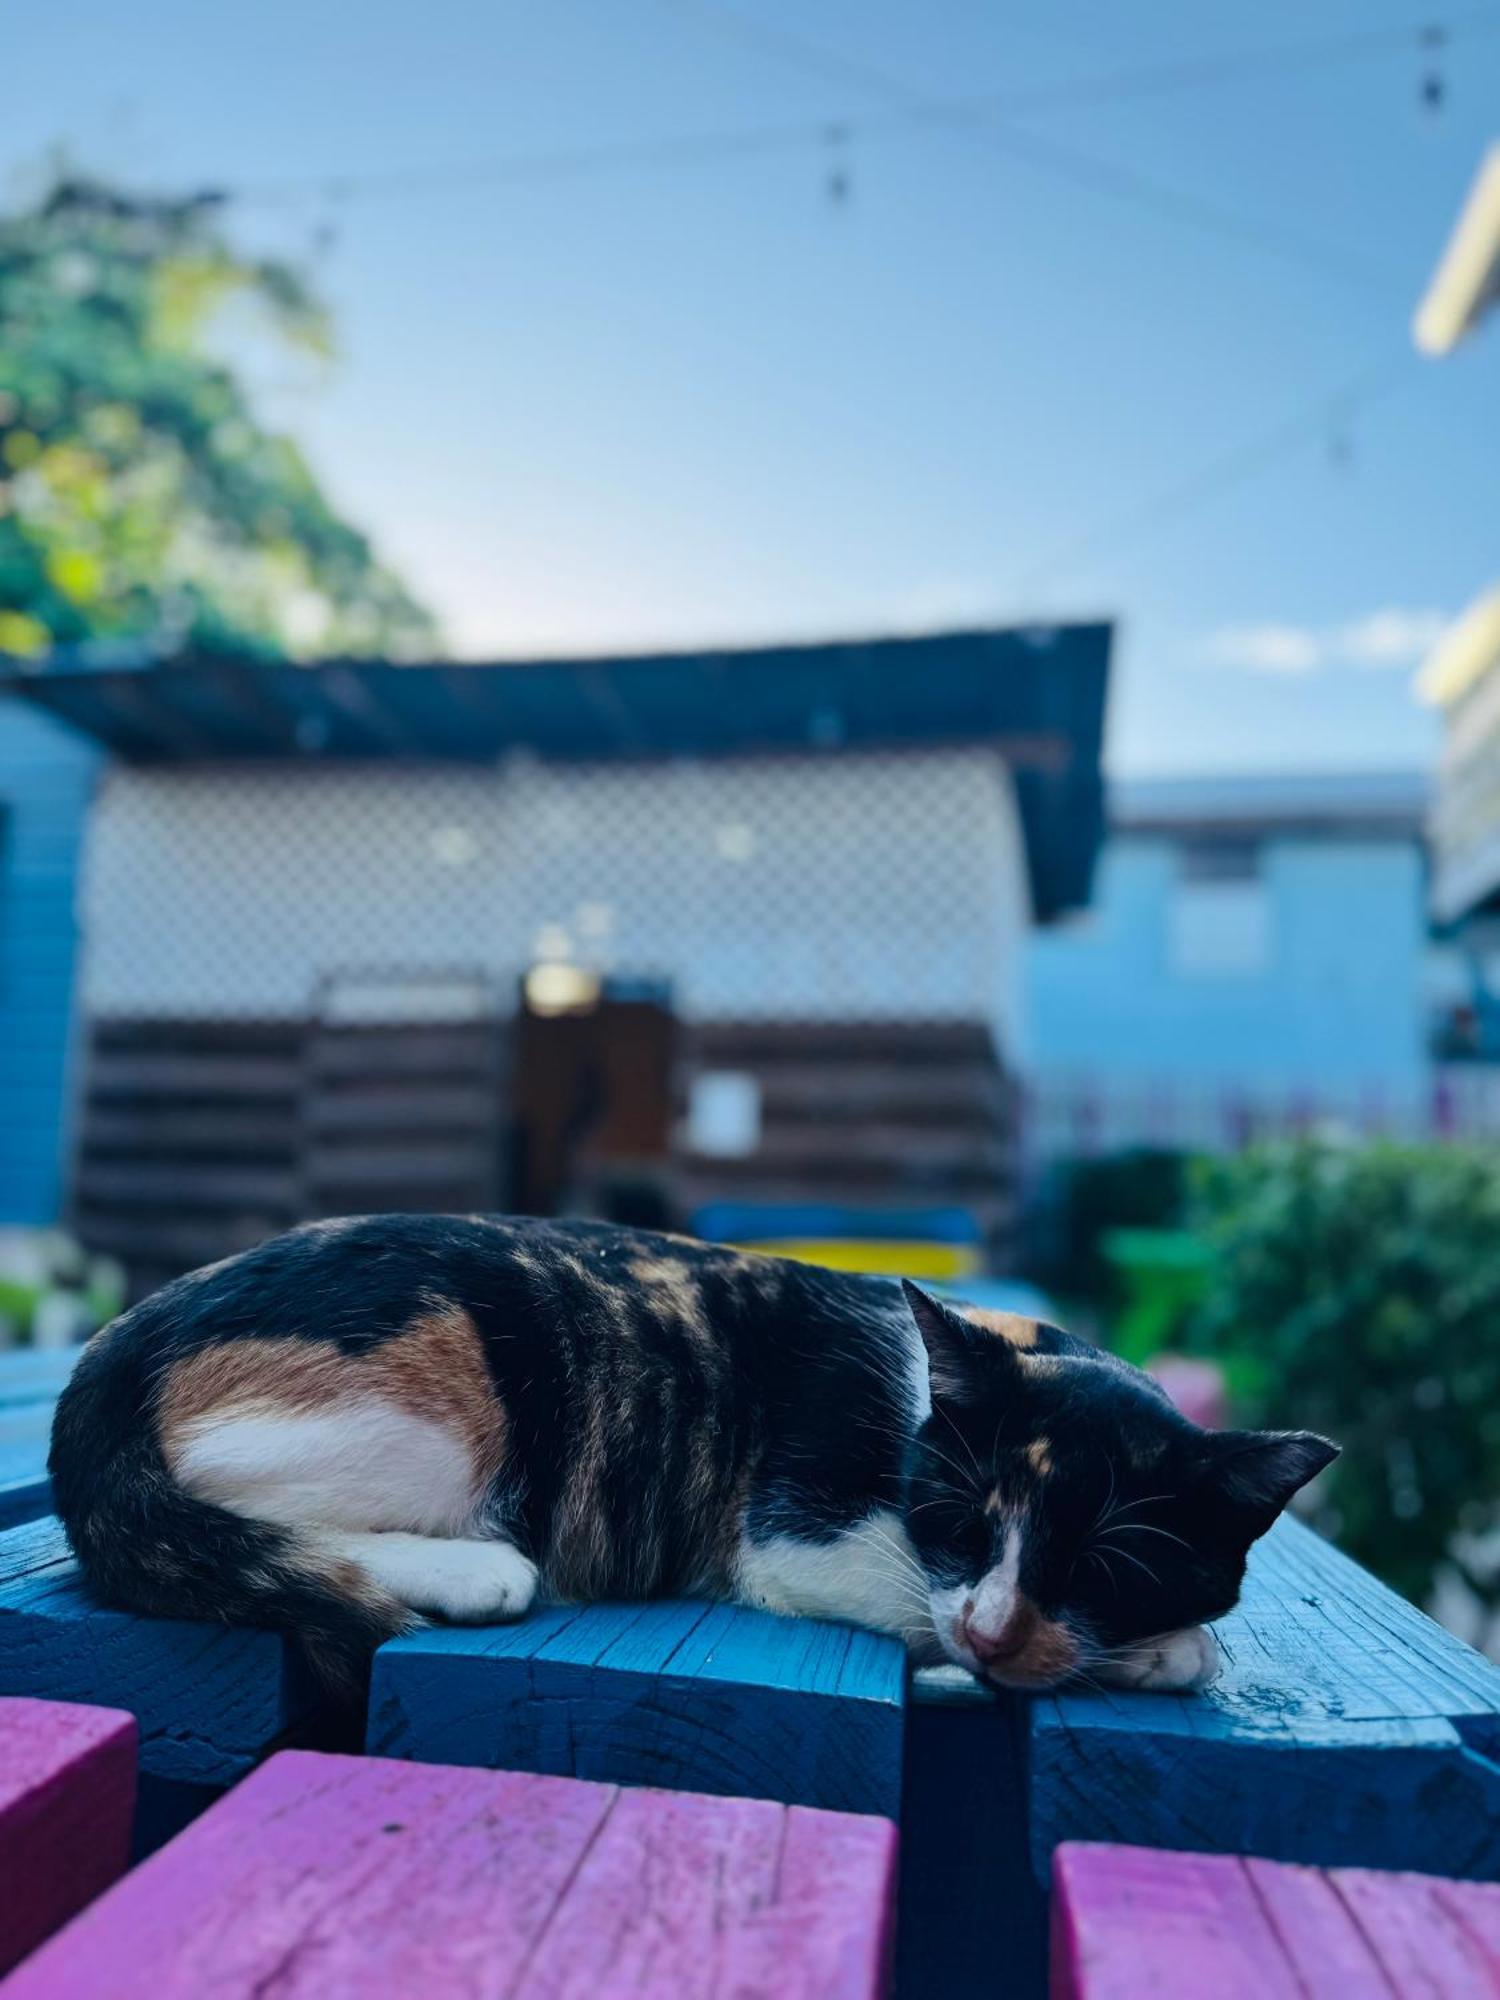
(46, 778)
(1256, 956)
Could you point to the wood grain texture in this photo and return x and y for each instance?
(1345, 1728)
(1129, 1921)
(35, 1375)
(23, 1498)
(25, 1432)
(324, 1877)
(706, 1698)
(67, 1797)
(209, 1699)
(31, 1380)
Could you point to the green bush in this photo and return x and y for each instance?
(1356, 1291)
(1083, 1200)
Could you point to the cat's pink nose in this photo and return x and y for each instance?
(993, 1645)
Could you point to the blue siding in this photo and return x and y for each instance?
(46, 775)
(1336, 1007)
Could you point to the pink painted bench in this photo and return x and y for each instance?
(67, 1797)
(321, 1877)
(1133, 1921)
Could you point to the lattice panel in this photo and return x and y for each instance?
(868, 886)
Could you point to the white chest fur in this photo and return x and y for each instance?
(869, 1575)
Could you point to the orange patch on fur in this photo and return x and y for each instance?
(1043, 1651)
(434, 1369)
(1039, 1456)
(1014, 1327)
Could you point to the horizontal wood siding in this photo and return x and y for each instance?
(46, 776)
(870, 1115)
(408, 1117)
(200, 1138)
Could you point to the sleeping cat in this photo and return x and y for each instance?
(367, 1421)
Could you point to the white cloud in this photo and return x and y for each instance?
(1393, 636)
(1269, 649)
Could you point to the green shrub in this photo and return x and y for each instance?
(1356, 1290)
(1083, 1200)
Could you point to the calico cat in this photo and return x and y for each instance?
(368, 1421)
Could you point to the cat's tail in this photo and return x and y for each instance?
(146, 1544)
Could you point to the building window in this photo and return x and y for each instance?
(1219, 917)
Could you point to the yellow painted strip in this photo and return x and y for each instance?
(883, 1257)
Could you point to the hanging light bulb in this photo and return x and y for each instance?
(1433, 88)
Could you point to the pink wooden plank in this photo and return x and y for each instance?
(794, 1903)
(1430, 1935)
(343, 1876)
(67, 1797)
(1131, 1921)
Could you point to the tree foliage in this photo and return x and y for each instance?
(1356, 1290)
(140, 498)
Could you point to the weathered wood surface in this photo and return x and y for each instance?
(34, 1375)
(1128, 1921)
(210, 1699)
(23, 1493)
(67, 1797)
(706, 1698)
(31, 1380)
(1346, 1727)
(327, 1877)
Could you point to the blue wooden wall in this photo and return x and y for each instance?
(46, 775)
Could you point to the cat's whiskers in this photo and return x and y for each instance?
(959, 1472)
(1108, 1498)
(940, 1411)
(896, 1567)
(912, 1603)
(1129, 1507)
(1097, 1555)
(1146, 1528)
(1114, 1549)
(897, 1563)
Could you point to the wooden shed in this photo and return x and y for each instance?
(643, 935)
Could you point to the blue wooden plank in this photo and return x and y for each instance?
(699, 1697)
(30, 1382)
(30, 1375)
(23, 1497)
(1346, 1727)
(210, 1700)
(25, 1437)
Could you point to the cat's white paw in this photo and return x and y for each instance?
(1176, 1663)
(478, 1583)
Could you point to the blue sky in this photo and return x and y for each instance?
(1089, 353)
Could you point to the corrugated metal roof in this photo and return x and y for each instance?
(1037, 694)
(1314, 802)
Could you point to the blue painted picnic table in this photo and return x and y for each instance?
(31, 1380)
(209, 1700)
(1346, 1730)
(711, 1697)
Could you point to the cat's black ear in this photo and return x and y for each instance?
(1254, 1473)
(954, 1347)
